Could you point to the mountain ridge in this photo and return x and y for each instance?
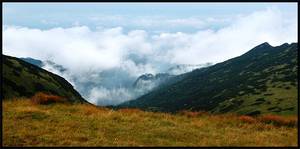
(204, 89)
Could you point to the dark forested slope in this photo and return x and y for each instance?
(24, 79)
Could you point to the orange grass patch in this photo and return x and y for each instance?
(43, 98)
(247, 119)
(279, 120)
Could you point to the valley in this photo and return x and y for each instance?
(249, 100)
(150, 74)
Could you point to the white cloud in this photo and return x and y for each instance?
(234, 40)
(109, 97)
(86, 53)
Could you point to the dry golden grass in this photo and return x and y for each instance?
(193, 113)
(59, 124)
(130, 111)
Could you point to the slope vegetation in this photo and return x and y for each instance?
(22, 79)
(263, 80)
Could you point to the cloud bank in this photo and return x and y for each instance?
(103, 63)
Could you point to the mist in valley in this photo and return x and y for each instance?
(103, 62)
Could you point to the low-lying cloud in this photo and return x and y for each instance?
(103, 63)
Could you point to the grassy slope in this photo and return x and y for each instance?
(275, 100)
(27, 124)
(24, 79)
(263, 80)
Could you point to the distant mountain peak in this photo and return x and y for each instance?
(263, 45)
(147, 76)
(33, 61)
(284, 45)
(184, 68)
(42, 64)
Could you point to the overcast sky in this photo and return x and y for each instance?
(147, 16)
(88, 38)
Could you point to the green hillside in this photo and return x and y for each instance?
(263, 80)
(22, 79)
